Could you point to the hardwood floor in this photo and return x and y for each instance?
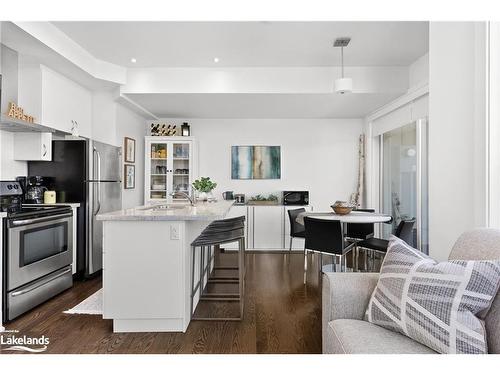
(281, 316)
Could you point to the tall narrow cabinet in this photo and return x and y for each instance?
(170, 166)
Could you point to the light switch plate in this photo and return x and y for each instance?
(174, 232)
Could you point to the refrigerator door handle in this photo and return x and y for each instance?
(115, 181)
(97, 159)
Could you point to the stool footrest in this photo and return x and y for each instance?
(223, 277)
(229, 295)
(226, 299)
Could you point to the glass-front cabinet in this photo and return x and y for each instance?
(169, 168)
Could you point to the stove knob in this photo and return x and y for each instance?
(16, 186)
(9, 187)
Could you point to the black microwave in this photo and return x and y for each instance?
(295, 198)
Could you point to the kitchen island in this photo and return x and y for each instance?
(147, 264)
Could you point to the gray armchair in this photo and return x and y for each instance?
(345, 298)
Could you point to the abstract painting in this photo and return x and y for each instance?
(255, 162)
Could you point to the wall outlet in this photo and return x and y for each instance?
(174, 232)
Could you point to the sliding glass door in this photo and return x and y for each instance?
(403, 182)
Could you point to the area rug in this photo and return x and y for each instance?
(91, 305)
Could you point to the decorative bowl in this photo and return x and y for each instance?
(342, 208)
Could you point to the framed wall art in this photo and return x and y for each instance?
(129, 146)
(129, 174)
(256, 162)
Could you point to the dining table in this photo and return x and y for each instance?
(354, 217)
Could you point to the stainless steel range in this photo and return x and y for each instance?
(37, 251)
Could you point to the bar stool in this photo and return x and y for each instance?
(217, 233)
(222, 225)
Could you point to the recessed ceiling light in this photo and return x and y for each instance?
(216, 59)
(133, 60)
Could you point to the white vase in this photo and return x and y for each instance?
(202, 196)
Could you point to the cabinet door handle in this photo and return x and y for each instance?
(44, 146)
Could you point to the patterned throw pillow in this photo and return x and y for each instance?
(440, 305)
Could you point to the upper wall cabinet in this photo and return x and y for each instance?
(65, 103)
(104, 109)
(33, 146)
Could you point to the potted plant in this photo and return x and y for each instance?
(259, 199)
(204, 187)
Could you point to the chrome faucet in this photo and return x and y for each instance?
(185, 195)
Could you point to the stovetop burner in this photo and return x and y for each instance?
(11, 201)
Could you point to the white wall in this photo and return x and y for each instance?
(366, 79)
(317, 155)
(130, 124)
(457, 182)
(494, 126)
(412, 106)
(9, 168)
(111, 122)
(418, 72)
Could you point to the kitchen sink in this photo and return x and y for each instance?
(166, 206)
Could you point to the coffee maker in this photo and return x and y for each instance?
(35, 189)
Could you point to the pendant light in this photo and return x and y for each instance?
(342, 85)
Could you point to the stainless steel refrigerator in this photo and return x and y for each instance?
(104, 194)
(89, 173)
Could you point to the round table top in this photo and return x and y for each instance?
(353, 217)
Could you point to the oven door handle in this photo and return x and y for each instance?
(40, 220)
(36, 286)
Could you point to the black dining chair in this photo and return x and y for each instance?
(356, 232)
(360, 231)
(325, 237)
(404, 231)
(297, 230)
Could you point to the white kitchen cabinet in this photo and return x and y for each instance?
(65, 103)
(33, 146)
(266, 224)
(169, 167)
(266, 227)
(298, 243)
(236, 211)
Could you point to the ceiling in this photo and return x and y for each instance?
(196, 44)
(25, 44)
(262, 105)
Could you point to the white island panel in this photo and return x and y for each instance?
(139, 257)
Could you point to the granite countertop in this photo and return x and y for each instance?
(202, 211)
